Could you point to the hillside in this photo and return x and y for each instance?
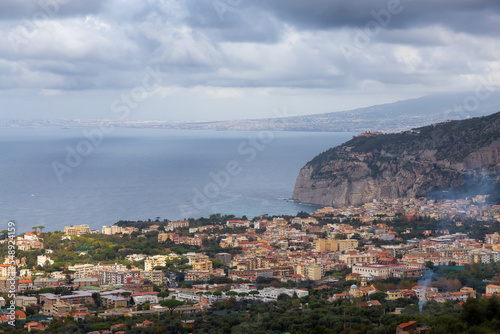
(455, 158)
(391, 117)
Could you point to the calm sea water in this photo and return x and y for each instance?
(148, 173)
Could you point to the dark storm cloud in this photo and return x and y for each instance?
(249, 43)
(479, 16)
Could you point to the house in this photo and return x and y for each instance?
(187, 323)
(491, 289)
(406, 327)
(146, 323)
(395, 294)
(34, 326)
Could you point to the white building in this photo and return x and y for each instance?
(82, 270)
(141, 298)
(41, 260)
(378, 270)
(273, 293)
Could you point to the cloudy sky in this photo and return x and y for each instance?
(231, 59)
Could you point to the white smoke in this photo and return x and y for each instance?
(424, 282)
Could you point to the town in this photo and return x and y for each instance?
(389, 255)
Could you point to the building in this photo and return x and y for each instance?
(141, 298)
(42, 260)
(395, 294)
(46, 282)
(324, 245)
(7, 285)
(150, 264)
(59, 308)
(110, 230)
(343, 245)
(273, 293)
(492, 238)
(406, 327)
(203, 266)
(355, 258)
(76, 230)
(491, 289)
(224, 257)
(177, 224)
(86, 281)
(113, 277)
(314, 272)
(334, 245)
(484, 256)
(82, 270)
(378, 270)
(154, 276)
(422, 292)
(24, 301)
(114, 301)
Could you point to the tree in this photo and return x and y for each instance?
(171, 304)
(217, 294)
(96, 296)
(253, 293)
(126, 294)
(380, 296)
(231, 293)
(163, 294)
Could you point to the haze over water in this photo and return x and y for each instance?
(148, 173)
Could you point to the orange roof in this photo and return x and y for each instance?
(20, 315)
(406, 324)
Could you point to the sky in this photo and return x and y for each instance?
(197, 60)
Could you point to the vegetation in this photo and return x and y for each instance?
(452, 141)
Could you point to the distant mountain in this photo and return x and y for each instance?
(391, 117)
(456, 158)
(398, 116)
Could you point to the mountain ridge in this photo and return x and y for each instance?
(455, 156)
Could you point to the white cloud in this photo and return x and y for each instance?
(266, 50)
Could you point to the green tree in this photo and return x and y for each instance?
(163, 294)
(96, 296)
(171, 304)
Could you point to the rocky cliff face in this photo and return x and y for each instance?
(461, 156)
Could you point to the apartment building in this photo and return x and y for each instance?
(76, 230)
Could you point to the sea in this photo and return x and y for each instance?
(55, 177)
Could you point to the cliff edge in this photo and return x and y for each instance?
(458, 158)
